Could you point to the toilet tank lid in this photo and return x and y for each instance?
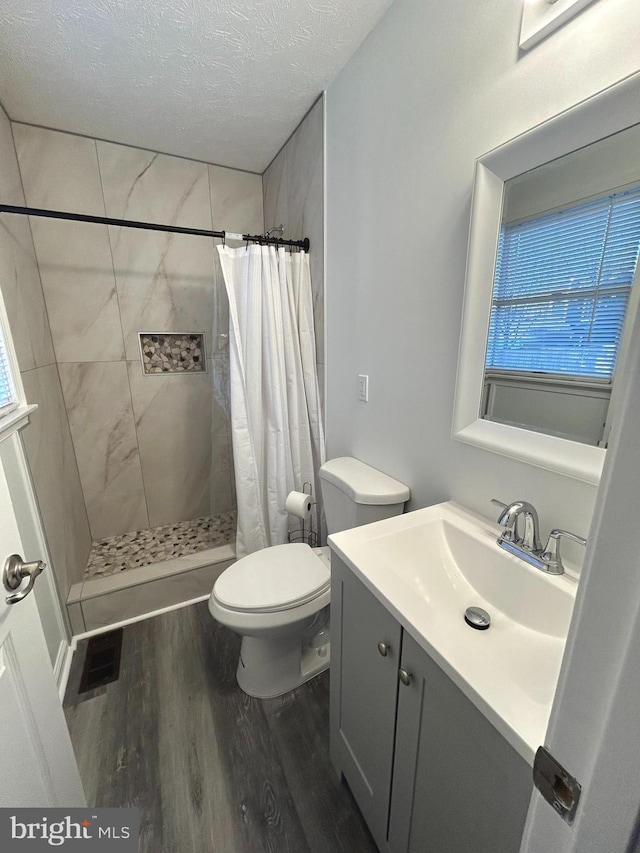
(362, 483)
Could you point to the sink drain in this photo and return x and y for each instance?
(477, 618)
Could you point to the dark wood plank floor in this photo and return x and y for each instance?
(210, 768)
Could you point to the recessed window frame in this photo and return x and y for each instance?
(606, 113)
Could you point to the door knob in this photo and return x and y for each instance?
(384, 649)
(405, 677)
(15, 571)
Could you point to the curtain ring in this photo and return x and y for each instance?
(224, 238)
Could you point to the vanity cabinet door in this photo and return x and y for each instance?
(363, 694)
(458, 785)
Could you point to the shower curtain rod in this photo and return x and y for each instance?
(152, 226)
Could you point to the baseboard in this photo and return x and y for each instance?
(105, 628)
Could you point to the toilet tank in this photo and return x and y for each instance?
(354, 493)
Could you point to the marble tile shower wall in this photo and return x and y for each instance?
(151, 450)
(293, 188)
(47, 438)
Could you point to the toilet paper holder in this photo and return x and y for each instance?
(305, 534)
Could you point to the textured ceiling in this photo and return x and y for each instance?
(215, 80)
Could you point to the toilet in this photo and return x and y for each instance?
(277, 599)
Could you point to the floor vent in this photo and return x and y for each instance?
(102, 663)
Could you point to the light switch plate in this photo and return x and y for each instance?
(541, 17)
(363, 388)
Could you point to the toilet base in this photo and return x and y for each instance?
(269, 667)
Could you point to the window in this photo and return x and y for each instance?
(561, 290)
(8, 396)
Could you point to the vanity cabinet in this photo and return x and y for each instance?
(429, 772)
(364, 686)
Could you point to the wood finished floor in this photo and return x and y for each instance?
(210, 768)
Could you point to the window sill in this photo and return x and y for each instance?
(579, 461)
(15, 420)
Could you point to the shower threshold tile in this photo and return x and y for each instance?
(158, 544)
(98, 585)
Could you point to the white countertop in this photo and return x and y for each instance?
(509, 671)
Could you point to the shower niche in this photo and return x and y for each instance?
(172, 352)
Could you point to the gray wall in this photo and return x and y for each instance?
(151, 450)
(293, 188)
(47, 438)
(434, 87)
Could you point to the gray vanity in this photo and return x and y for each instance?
(434, 724)
(428, 771)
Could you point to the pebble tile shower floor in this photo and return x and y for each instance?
(143, 547)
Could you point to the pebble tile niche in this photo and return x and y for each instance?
(172, 352)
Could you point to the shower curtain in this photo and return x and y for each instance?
(278, 439)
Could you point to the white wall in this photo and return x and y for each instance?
(435, 86)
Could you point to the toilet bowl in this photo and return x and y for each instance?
(278, 599)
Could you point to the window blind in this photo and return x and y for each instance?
(562, 286)
(7, 392)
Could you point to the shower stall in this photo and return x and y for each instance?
(149, 413)
(130, 448)
(122, 338)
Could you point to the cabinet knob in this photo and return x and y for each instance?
(405, 677)
(384, 649)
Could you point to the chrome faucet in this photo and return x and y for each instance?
(529, 539)
(524, 541)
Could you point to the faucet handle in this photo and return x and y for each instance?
(551, 557)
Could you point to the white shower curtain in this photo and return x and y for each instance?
(278, 439)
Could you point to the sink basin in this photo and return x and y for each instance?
(427, 567)
(454, 562)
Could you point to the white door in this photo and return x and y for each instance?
(37, 764)
(594, 731)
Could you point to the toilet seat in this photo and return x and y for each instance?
(277, 578)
